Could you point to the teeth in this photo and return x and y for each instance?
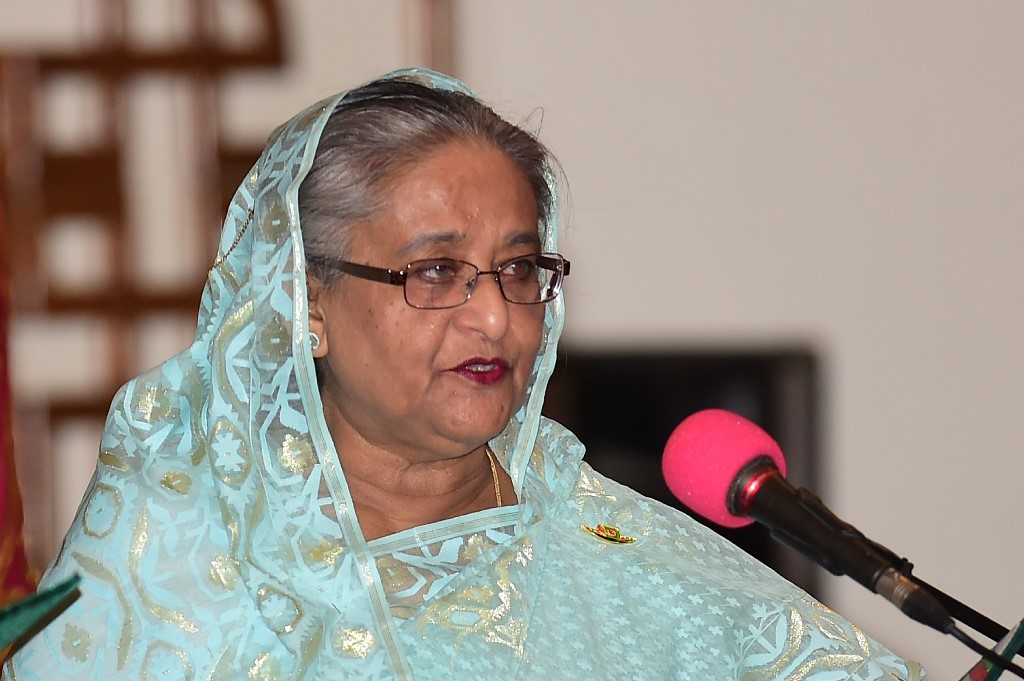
(480, 368)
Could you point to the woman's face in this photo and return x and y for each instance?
(432, 383)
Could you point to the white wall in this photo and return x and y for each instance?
(848, 175)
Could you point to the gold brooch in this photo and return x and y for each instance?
(609, 534)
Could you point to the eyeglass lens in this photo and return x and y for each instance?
(444, 282)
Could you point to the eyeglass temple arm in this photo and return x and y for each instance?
(386, 276)
(549, 263)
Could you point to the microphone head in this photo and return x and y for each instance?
(704, 455)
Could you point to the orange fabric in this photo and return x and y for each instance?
(15, 578)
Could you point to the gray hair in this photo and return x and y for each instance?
(382, 128)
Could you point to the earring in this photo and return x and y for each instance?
(314, 341)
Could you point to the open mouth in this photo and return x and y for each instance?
(483, 371)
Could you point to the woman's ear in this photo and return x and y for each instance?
(317, 298)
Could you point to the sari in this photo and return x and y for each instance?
(218, 537)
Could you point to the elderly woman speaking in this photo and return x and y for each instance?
(347, 475)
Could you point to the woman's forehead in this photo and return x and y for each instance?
(460, 196)
(454, 238)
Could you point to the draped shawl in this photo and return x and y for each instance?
(217, 538)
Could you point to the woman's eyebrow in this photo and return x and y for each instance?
(524, 238)
(430, 239)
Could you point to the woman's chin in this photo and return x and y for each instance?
(477, 429)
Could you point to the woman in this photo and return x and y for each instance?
(347, 475)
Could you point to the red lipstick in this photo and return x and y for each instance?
(483, 371)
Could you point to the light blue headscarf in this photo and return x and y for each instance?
(218, 538)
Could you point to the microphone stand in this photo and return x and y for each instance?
(954, 609)
(958, 610)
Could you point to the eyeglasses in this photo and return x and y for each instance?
(441, 283)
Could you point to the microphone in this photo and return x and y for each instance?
(728, 470)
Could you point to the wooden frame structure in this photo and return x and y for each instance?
(45, 184)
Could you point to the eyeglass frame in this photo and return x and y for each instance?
(386, 275)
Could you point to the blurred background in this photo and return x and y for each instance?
(812, 213)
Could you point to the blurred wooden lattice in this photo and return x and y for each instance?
(49, 185)
(85, 183)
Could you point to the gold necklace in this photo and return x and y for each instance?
(494, 474)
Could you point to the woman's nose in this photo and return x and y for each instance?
(486, 310)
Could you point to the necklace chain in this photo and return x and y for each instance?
(494, 474)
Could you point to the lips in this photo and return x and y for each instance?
(483, 371)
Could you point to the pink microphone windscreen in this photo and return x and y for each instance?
(704, 455)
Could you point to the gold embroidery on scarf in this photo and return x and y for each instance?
(153, 403)
(140, 537)
(224, 571)
(230, 278)
(402, 612)
(525, 553)
(833, 662)
(829, 624)
(99, 571)
(275, 339)
(829, 627)
(167, 663)
(224, 666)
(862, 639)
(538, 459)
(232, 526)
(231, 471)
(280, 611)
(590, 486)
(264, 668)
(235, 322)
(395, 575)
(353, 642)
(76, 643)
(832, 625)
(310, 651)
(275, 225)
(324, 552)
(176, 481)
(102, 511)
(406, 585)
(296, 455)
(256, 510)
(489, 611)
(232, 463)
(784, 655)
(108, 458)
(195, 395)
(473, 548)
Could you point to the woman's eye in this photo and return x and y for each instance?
(436, 271)
(523, 268)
